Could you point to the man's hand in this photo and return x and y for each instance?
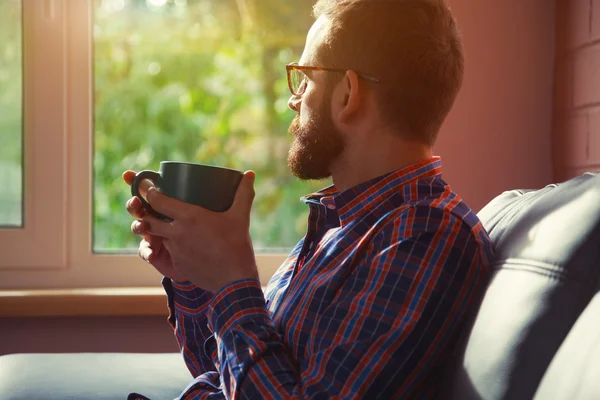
(208, 248)
(151, 247)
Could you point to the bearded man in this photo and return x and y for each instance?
(370, 302)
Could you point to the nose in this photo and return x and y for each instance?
(294, 103)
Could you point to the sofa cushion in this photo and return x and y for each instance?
(91, 376)
(574, 371)
(545, 274)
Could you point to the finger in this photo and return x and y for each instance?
(128, 176)
(244, 195)
(145, 185)
(148, 252)
(135, 208)
(176, 209)
(155, 242)
(144, 251)
(157, 227)
(140, 228)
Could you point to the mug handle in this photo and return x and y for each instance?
(154, 177)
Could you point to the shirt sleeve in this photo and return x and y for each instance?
(188, 319)
(395, 315)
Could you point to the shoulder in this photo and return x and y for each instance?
(443, 216)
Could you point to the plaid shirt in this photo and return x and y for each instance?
(368, 304)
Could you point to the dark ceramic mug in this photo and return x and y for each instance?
(203, 185)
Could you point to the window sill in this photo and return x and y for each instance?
(100, 302)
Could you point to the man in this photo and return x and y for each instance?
(370, 302)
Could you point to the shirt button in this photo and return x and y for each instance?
(331, 206)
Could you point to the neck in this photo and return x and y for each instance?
(361, 162)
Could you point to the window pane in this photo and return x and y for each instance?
(11, 116)
(199, 81)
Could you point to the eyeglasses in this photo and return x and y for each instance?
(297, 79)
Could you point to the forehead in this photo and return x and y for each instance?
(316, 38)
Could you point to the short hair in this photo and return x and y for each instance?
(412, 46)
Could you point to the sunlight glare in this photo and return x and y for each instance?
(156, 3)
(113, 5)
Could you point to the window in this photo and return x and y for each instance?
(11, 118)
(38, 238)
(110, 85)
(196, 81)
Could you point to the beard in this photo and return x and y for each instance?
(315, 146)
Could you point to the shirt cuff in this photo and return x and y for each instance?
(235, 303)
(186, 298)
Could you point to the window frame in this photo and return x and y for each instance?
(40, 243)
(54, 248)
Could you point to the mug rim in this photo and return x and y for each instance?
(200, 165)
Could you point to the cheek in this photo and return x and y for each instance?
(308, 107)
(305, 113)
(304, 116)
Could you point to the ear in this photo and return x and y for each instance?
(351, 97)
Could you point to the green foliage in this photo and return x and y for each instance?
(11, 99)
(205, 83)
(10, 82)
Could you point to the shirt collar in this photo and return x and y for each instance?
(356, 201)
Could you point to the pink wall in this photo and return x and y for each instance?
(577, 93)
(498, 136)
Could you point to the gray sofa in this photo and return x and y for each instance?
(535, 335)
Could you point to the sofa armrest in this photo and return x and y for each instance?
(92, 376)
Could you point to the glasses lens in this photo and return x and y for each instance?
(298, 81)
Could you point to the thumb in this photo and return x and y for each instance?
(244, 195)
